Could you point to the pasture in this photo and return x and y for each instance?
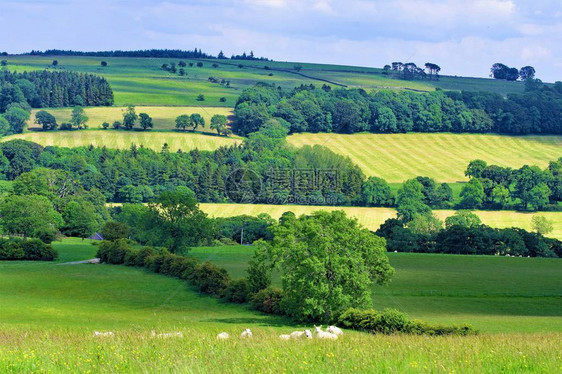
(122, 139)
(44, 306)
(443, 156)
(372, 218)
(141, 81)
(163, 117)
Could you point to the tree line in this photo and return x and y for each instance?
(309, 109)
(53, 89)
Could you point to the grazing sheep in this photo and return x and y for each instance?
(223, 336)
(246, 334)
(284, 337)
(103, 334)
(177, 334)
(334, 330)
(323, 334)
(301, 334)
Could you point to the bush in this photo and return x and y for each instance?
(154, 262)
(200, 97)
(392, 321)
(114, 252)
(237, 291)
(105, 125)
(11, 250)
(113, 230)
(268, 300)
(189, 265)
(210, 279)
(65, 126)
(36, 250)
(222, 99)
(117, 125)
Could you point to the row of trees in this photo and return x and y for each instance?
(219, 123)
(496, 187)
(502, 71)
(410, 71)
(308, 109)
(39, 89)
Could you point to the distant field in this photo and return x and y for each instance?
(164, 117)
(443, 156)
(123, 139)
(141, 81)
(453, 288)
(372, 218)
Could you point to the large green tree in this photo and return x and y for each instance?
(79, 219)
(46, 120)
(29, 215)
(329, 263)
(78, 118)
(129, 117)
(472, 194)
(17, 118)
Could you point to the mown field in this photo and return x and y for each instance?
(141, 81)
(163, 117)
(443, 156)
(372, 218)
(46, 306)
(122, 139)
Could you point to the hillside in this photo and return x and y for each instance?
(141, 81)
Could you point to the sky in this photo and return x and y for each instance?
(464, 37)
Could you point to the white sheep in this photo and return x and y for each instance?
(103, 334)
(177, 334)
(223, 336)
(334, 330)
(301, 334)
(246, 334)
(284, 337)
(323, 334)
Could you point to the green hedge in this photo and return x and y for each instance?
(392, 321)
(30, 249)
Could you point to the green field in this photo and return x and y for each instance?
(122, 139)
(443, 156)
(494, 294)
(47, 306)
(163, 117)
(141, 81)
(372, 218)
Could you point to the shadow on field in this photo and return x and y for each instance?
(268, 321)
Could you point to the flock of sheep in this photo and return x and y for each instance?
(331, 333)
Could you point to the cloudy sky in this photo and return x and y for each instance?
(465, 37)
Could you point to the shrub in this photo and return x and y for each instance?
(180, 265)
(105, 125)
(189, 265)
(113, 252)
(237, 291)
(199, 64)
(268, 300)
(36, 250)
(65, 126)
(200, 97)
(210, 279)
(11, 250)
(154, 262)
(117, 125)
(222, 99)
(146, 252)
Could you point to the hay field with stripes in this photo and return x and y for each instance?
(121, 139)
(443, 156)
(372, 218)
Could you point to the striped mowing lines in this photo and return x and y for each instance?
(372, 218)
(124, 139)
(443, 156)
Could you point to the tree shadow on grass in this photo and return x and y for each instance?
(265, 321)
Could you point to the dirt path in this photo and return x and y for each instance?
(91, 261)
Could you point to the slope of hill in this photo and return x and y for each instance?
(141, 81)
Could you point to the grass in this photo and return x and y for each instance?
(141, 81)
(495, 294)
(164, 117)
(443, 156)
(123, 139)
(46, 306)
(372, 218)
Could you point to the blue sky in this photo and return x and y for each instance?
(465, 37)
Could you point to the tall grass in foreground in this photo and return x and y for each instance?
(200, 352)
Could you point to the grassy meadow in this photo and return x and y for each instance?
(44, 306)
(163, 117)
(397, 157)
(372, 218)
